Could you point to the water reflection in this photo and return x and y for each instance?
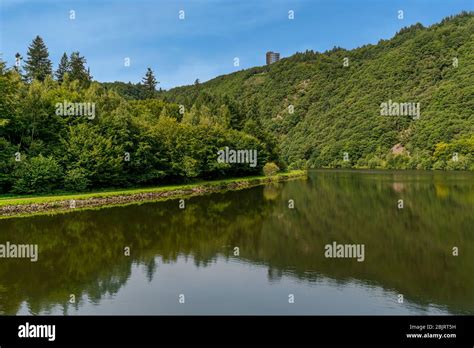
(407, 251)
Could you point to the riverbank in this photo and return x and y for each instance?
(28, 205)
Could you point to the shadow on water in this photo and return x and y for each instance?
(407, 251)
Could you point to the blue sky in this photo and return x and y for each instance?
(213, 33)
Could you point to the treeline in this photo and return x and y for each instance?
(321, 106)
(124, 142)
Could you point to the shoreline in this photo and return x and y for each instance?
(28, 206)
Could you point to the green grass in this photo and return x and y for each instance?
(37, 199)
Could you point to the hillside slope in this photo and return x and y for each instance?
(337, 108)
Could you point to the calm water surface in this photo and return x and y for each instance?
(191, 252)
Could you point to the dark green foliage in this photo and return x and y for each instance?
(37, 65)
(95, 153)
(149, 83)
(7, 162)
(64, 67)
(76, 180)
(37, 175)
(77, 69)
(146, 141)
(307, 110)
(129, 91)
(317, 108)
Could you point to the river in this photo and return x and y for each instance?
(257, 251)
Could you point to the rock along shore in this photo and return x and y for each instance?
(121, 199)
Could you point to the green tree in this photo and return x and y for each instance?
(64, 67)
(95, 153)
(76, 180)
(7, 162)
(149, 82)
(38, 175)
(270, 169)
(78, 69)
(37, 65)
(11, 89)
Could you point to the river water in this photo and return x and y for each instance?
(257, 251)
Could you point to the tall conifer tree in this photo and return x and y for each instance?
(149, 82)
(78, 70)
(37, 65)
(64, 67)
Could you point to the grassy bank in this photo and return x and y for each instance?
(25, 205)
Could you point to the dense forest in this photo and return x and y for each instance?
(323, 105)
(61, 130)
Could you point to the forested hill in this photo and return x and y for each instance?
(322, 105)
(407, 102)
